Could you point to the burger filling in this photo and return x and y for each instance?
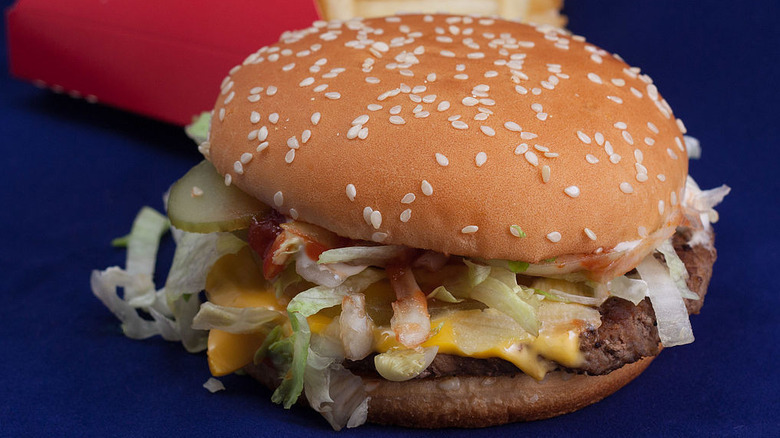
(321, 309)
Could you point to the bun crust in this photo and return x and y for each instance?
(475, 401)
(452, 134)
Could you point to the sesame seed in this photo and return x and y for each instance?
(279, 198)
(671, 153)
(246, 157)
(681, 126)
(419, 89)
(395, 110)
(591, 235)
(491, 74)
(536, 91)
(261, 147)
(360, 120)
(454, 117)
(649, 141)
(594, 78)
(596, 58)
(353, 132)
(292, 142)
(294, 214)
(608, 148)
(253, 98)
(252, 135)
(619, 82)
(545, 174)
(376, 219)
(599, 138)
(374, 107)
(590, 158)
(516, 231)
(380, 46)
(273, 118)
(480, 159)
(615, 99)
(487, 130)
(531, 157)
(379, 236)
(583, 137)
(536, 107)
(521, 149)
(443, 106)
(262, 133)
(426, 188)
(636, 92)
(469, 229)
(673, 198)
(620, 125)
(406, 215)
(408, 198)
(447, 54)
(572, 191)
(288, 67)
(512, 126)
(521, 89)
(407, 73)
(626, 187)
(442, 159)
(679, 144)
(271, 90)
(652, 127)
(315, 118)
(254, 117)
(528, 135)
(238, 168)
(429, 98)
(320, 88)
(306, 82)
(363, 134)
(228, 179)
(458, 124)
(461, 76)
(614, 158)
(196, 192)
(554, 237)
(541, 116)
(333, 95)
(627, 137)
(289, 156)
(367, 214)
(431, 77)
(469, 101)
(397, 120)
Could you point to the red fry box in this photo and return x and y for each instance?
(163, 59)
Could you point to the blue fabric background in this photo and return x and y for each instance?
(73, 175)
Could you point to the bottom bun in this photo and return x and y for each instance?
(476, 401)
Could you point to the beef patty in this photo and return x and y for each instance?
(627, 332)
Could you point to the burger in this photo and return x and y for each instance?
(430, 221)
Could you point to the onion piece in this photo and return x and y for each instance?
(411, 321)
(356, 327)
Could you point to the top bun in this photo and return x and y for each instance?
(453, 134)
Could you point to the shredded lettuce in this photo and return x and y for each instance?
(677, 269)
(289, 355)
(329, 275)
(233, 319)
(674, 327)
(442, 294)
(334, 391)
(317, 298)
(497, 288)
(362, 255)
(628, 289)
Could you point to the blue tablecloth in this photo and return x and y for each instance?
(73, 175)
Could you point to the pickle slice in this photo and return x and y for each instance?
(200, 202)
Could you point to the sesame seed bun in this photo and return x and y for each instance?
(469, 136)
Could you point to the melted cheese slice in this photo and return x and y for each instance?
(235, 281)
